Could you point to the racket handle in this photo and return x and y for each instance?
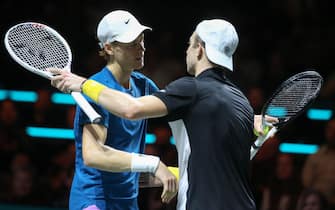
(86, 107)
(260, 141)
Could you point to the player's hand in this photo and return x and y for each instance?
(169, 181)
(258, 128)
(65, 81)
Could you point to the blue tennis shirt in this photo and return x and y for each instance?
(102, 188)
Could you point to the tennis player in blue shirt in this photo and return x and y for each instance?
(109, 155)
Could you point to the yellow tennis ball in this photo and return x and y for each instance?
(174, 171)
(265, 130)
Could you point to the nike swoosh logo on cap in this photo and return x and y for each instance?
(127, 21)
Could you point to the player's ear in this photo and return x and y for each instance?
(109, 49)
(200, 50)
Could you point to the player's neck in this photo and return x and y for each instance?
(202, 66)
(120, 75)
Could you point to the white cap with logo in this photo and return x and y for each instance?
(120, 26)
(220, 39)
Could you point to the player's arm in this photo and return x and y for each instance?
(116, 102)
(126, 106)
(97, 155)
(103, 157)
(122, 104)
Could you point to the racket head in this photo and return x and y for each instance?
(36, 47)
(292, 97)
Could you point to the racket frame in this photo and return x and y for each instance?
(78, 97)
(25, 65)
(277, 126)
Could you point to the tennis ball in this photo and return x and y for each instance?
(174, 171)
(265, 130)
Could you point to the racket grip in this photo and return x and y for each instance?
(86, 107)
(260, 141)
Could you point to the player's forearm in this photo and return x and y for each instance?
(103, 157)
(108, 159)
(116, 102)
(119, 103)
(124, 105)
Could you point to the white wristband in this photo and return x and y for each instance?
(144, 163)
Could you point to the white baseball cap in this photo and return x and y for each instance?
(120, 26)
(220, 39)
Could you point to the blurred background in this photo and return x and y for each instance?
(278, 38)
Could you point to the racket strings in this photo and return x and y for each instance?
(293, 97)
(38, 47)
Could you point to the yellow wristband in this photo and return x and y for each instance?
(174, 171)
(92, 89)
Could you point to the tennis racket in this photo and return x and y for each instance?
(149, 180)
(290, 99)
(37, 47)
